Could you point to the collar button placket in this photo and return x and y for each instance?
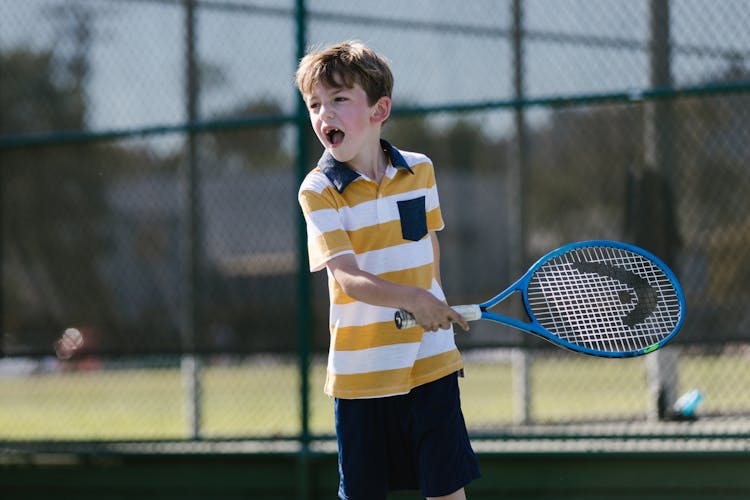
(381, 204)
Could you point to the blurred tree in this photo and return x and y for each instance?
(256, 147)
(577, 174)
(54, 213)
(712, 152)
(463, 143)
(34, 97)
(412, 133)
(459, 145)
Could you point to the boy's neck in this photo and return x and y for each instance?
(371, 162)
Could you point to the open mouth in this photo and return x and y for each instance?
(335, 136)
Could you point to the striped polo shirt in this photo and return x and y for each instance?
(386, 226)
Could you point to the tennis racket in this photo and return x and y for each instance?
(602, 298)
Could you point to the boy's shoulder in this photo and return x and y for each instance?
(413, 158)
(315, 181)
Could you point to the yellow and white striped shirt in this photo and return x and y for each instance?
(386, 226)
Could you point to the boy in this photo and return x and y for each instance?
(372, 212)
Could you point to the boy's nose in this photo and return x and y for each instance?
(327, 112)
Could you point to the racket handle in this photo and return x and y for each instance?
(404, 319)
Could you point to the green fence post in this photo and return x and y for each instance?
(303, 277)
(522, 359)
(191, 365)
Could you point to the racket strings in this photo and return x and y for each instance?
(605, 299)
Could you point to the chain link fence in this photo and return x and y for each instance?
(154, 283)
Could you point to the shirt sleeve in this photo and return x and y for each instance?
(326, 237)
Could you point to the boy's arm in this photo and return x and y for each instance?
(430, 312)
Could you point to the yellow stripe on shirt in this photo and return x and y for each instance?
(417, 276)
(398, 381)
(354, 338)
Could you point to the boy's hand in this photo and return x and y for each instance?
(433, 314)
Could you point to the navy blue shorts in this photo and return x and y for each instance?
(414, 441)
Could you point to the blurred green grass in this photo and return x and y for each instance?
(260, 398)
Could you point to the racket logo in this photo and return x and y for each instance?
(647, 299)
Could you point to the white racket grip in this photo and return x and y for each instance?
(470, 312)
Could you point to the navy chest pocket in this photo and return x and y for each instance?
(413, 218)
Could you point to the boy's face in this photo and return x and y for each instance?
(343, 120)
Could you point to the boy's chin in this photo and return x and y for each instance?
(338, 154)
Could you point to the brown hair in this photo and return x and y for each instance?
(343, 65)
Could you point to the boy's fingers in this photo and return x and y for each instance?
(457, 318)
(450, 316)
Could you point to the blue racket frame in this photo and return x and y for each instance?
(536, 328)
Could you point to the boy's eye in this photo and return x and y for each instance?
(313, 105)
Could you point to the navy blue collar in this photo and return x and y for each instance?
(341, 176)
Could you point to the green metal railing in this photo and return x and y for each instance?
(625, 96)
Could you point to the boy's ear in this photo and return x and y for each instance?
(381, 110)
